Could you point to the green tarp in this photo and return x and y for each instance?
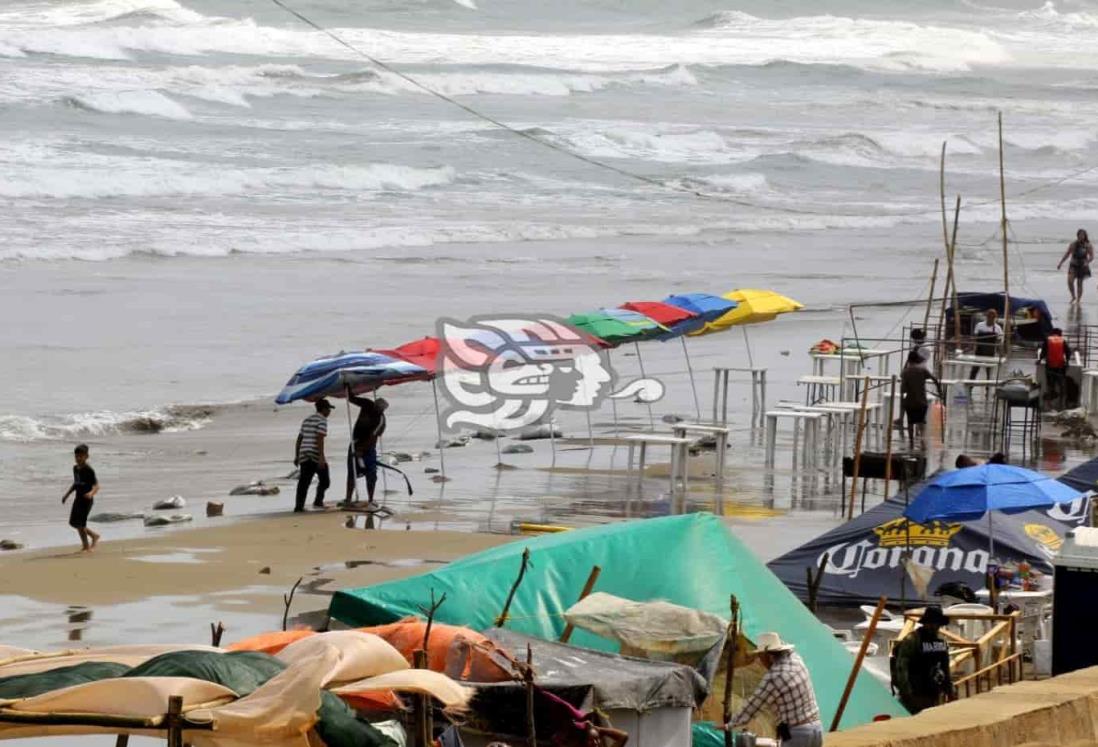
(692, 560)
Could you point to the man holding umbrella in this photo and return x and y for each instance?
(921, 674)
(362, 453)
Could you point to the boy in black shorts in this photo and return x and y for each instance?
(85, 485)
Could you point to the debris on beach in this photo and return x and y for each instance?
(10, 545)
(255, 488)
(430, 470)
(1076, 424)
(163, 521)
(214, 508)
(110, 517)
(176, 501)
(396, 457)
(452, 443)
(517, 449)
(537, 432)
(265, 570)
(486, 434)
(672, 418)
(293, 475)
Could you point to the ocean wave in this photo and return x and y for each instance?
(170, 419)
(148, 103)
(162, 177)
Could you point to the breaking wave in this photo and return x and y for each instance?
(148, 103)
(171, 419)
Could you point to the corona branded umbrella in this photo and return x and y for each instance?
(966, 494)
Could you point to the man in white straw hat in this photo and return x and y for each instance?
(787, 689)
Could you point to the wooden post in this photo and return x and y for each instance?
(528, 678)
(858, 663)
(1006, 253)
(858, 448)
(174, 721)
(587, 587)
(421, 710)
(730, 645)
(287, 600)
(888, 436)
(122, 741)
(216, 631)
(952, 255)
(514, 587)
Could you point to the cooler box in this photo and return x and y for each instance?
(1075, 602)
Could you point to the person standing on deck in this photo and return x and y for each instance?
(921, 672)
(85, 484)
(989, 337)
(787, 689)
(362, 453)
(310, 458)
(1081, 253)
(913, 393)
(1055, 353)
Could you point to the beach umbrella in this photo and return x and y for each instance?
(617, 327)
(679, 321)
(707, 306)
(967, 494)
(362, 372)
(423, 352)
(755, 306)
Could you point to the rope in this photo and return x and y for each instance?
(672, 186)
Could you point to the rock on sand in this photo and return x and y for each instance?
(176, 501)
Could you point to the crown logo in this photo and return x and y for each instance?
(895, 533)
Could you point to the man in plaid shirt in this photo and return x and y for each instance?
(787, 689)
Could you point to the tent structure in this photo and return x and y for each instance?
(1035, 308)
(864, 553)
(691, 560)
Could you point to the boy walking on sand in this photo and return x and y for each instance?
(85, 485)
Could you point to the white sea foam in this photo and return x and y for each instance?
(171, 419)
(149, 103)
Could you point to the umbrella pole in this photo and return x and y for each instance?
(438, 428)
(380, 447)
(354, 459)
(747, 344)
(640, 360)
(990, 538)
(693, 384)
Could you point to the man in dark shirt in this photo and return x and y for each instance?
(913, 389)
(921, 675)
(85, 485)
(362, 453)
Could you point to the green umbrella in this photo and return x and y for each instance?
(616, 326)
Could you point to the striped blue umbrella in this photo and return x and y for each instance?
(363, 372)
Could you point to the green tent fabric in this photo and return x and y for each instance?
(31, 685)
(706, 734)
(692, 560)
(244, 671)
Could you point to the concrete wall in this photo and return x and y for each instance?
(1058, 711)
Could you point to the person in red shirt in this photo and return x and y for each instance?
(1054, 353)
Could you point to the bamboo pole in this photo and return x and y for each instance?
(122, 741)
(930, 298)
(730, 644)
(421, 708)
(858, 663)
(528, 678)
(858, 448)
(942, 195)
(952, 255)
(438, 428)
(1006, 259)
(587, 587)
(888, 436)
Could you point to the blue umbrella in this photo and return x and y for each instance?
(363, 372)
(969, 493)
(709, 307)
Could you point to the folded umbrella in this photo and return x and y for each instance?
(362, 372)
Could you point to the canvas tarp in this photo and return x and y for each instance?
(692, 560)
(864, 554)
(659, 629)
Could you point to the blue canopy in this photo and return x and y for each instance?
(1036, 308)
(966, 494)
(363, 372)
(709, 307)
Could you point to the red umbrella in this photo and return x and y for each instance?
(679, 322)
(657, 311)
(423, 352)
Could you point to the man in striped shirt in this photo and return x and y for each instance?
(309, 456)
(787, 689)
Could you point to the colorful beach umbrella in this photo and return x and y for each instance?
(616, 326)
(755, 306)
(969, 493)
(677, 320)
(423, 353)
(363, 372)
(707, 306)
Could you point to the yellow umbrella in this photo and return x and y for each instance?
(754, 306)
